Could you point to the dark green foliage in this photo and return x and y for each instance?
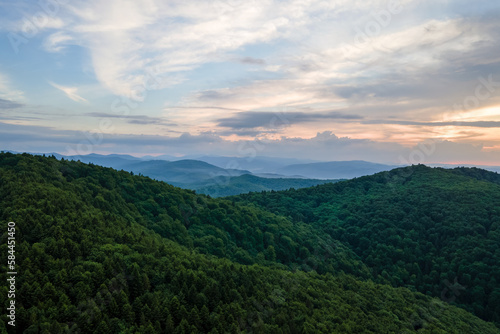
(101, 251)
(416, 227)
(210, 226)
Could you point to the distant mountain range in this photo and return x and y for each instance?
(488, 168)
(251, 183)
(224, 176)
(182, 171)
(257, 165)
(335, 169)
(202, 176)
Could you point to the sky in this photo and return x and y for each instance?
(385, 81)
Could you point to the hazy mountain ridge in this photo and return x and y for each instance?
(251, 183)
(212, 175)
(200, 175)
(182, 171)
(335, 169)
(495, 169)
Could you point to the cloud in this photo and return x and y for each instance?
(278, 94)
(252, 61)
(107, 115)
(133, 119)
(125, 38)
(57, 41)
(7, 92)
(237, 63)
(7, 104)
(325, 146)
(167, 108)
(417, 71)
(271, 120)
(70, 92)
(30, 20)
(477, 124)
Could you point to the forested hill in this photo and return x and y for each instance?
(430, 229)
(101, 251)
(251, 183)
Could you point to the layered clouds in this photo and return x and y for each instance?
(336, 79)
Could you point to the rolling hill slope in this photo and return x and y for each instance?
(101, 251)
(201, 176)
(433, 230)
(227, 186)
(182, 171)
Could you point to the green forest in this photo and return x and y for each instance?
(227, 186)
(432, 230)
(105, 251)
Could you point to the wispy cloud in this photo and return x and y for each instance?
(231, 67)
(270, 120)
(323, 146)
(121, 36)
(57, 41)
(7, 104)
(477, 124)
(133, 119)
(124, 38)
(7, 92)
(71, 92)
(252, 61)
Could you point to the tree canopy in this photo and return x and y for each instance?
(104, 251)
